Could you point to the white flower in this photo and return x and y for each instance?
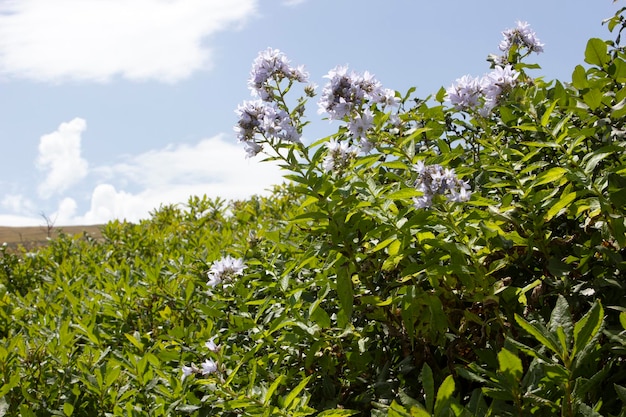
(187, 370)
(338, 156)
(225, 268)
(465, 94)
(460, 194)
(482, 94)
(208, 367)
(424, 201)
(210, 344)
(266, 119)
(523, 37)
(359, 124)
(435, 180)
(272, 64)
(345, 93)
(214, 279)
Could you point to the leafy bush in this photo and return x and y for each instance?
(428, 259)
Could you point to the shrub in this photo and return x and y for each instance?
(458, 255)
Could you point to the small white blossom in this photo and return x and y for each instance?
(465, 94)
(208, 367)
(214, 279)
(266, 119)
(225, 268)
(360, 123)
(435, 180)
(211, 345)
(338, 156)
(346, 93)
(523, 37)
(272, 64)
(187, 370)
(482, 94)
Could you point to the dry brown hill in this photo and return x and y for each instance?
(32, 236)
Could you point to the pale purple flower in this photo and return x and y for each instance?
(272, 64)
(187, 370)
(346, 93)
(360, 123)
(265, 119)
(435, 180)
(461, 193)
(208, 367)
(387, 97)
(465, 93)
(338, 155)
(366, 145)
(482, 94)
(225, 268)
(522, 36)
(211, 345)
(214, 280)
(503, 76)
(424, 201)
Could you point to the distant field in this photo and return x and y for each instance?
(33, 236)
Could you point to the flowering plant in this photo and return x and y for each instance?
(456, 255)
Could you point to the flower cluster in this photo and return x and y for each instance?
(345, 95)
(522, 37)
(433, 180)
(272, 64)
(338, 156)
(482, 94)
(224, 269)
(266, 116)
(266, 119)
(207, 367)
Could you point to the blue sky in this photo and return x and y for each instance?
(111, 108)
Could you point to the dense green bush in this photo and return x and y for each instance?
(460, 255)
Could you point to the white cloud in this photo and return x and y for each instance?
(18, 204)
(59, 155)
(214, 167)
(97, 39)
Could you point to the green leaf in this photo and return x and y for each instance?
(540, 333)
(345, 293)
(622, 320)
(404, 194)
(579, 78)
(596, 52)
(593, 98)
(546, 116)
(337, 413)
(289, 399)
(561, 318)
(428, 383)
(592, 160)
(621, 393)
(444, 396)
(510, 364)
(551, 175)
(112, 374)
(68, 409)
(270, 391)
(587, 327)
(564, 202)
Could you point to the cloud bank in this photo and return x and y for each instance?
(95, 40)
(132, 189)
(59, 155)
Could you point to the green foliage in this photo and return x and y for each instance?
(353, 298)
